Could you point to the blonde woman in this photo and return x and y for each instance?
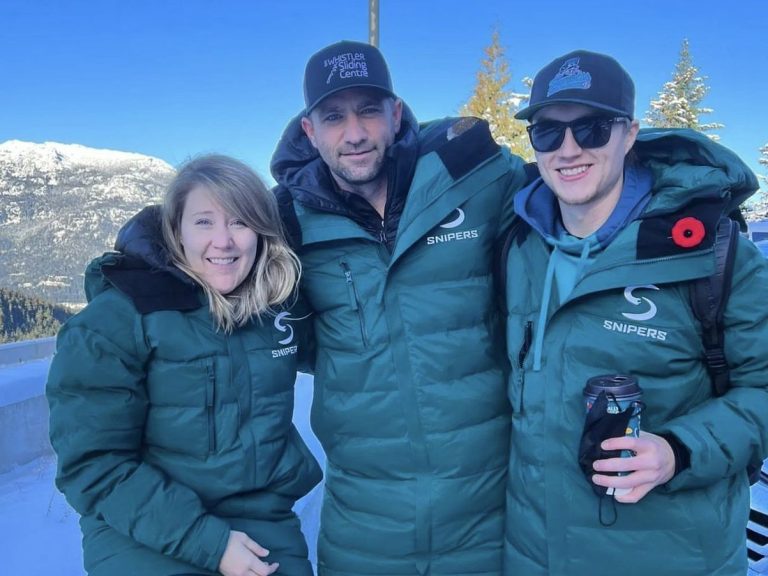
(171, 393)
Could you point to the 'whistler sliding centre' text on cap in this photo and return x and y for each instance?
(344, 65)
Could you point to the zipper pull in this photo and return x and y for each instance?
(353, 298)
(355, 302)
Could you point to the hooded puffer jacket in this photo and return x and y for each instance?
(168, 433)
(409, 378)
(629, 312)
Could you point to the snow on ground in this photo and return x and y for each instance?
(39, 532)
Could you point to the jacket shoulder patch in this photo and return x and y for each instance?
(462, 144)
(692, 228)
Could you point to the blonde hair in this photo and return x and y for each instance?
(241, 193)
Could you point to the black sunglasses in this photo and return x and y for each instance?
(589, 132)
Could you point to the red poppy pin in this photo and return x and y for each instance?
(688, 232)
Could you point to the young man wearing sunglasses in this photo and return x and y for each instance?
(598, 271)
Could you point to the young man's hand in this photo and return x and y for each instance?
(653, 464)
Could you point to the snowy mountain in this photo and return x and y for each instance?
(61, 205)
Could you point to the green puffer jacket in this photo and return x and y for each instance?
(630, 313)
(169, 434)
(409, 382)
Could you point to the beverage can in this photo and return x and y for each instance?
(623, 392)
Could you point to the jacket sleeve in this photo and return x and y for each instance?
(726, 434)
(98, 405)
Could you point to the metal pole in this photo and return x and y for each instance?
(373, 23)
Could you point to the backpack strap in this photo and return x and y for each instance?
(709, 297)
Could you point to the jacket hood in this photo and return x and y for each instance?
(688, 166)
(296, 164)
(142, 237)
(537, 205)
(141, 268)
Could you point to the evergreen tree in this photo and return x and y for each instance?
(678, 103)
(493, 102)
(763, 161)
(23, 317)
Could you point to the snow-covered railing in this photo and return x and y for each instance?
(23, 408)
(18, 352)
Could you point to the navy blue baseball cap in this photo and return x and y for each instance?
(582, 77)
(344, 65)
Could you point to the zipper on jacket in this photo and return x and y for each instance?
(383, 233)
(354, 299)
(527, 339)
(210, 408)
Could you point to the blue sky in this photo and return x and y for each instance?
(176, 78)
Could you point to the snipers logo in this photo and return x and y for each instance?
(632, 299)
(348, 65)
(281, 326)
(455, 219)
(648, 312)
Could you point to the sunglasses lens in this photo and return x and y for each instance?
(546, 136)
(592, 133)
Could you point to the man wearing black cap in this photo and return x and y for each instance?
(599, 265)
(395, 224)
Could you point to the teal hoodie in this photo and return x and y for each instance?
(571, 256)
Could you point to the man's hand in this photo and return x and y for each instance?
(653, 464)
(242, 557)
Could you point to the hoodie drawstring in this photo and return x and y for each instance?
(544, 309)
(547, 293)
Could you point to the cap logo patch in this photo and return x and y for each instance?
(347, 65)
(570, 77)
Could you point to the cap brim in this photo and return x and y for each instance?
(526, 113)
(309, 109)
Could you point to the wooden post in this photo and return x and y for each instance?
(373, 23)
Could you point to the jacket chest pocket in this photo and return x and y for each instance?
(519, 344)
(181, 416)
(210, 405)
(355, 302)
(340, 292)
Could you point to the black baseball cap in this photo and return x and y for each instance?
(344, 65)
(582, 77)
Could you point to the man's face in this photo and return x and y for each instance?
(584, 178)
(352, 130)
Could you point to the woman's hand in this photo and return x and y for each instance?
(653, 464)
(242, 557)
